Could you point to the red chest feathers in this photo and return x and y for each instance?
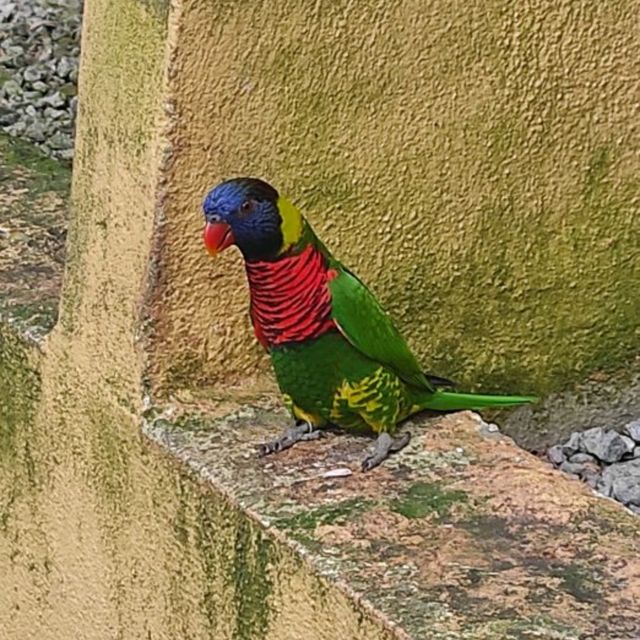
(290, 299)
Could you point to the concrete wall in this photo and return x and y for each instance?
(482, 154)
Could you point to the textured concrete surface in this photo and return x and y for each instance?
(33, 211)
(476, 164)
(609, 400)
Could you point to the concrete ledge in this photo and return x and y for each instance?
(463, 535)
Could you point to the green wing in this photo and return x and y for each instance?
(365, 324)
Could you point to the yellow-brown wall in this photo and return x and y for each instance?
(475, 163)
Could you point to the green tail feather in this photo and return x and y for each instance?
(451, 401)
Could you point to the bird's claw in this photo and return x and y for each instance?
(299, 433)
(384, 446)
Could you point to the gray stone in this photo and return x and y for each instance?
(68, 89)
(65, 154)
(11, 88)
(66, 66)
(556, 455)
(636, 452)
(604, 486)
(582, 457)
(606, 445)
(16, 129)
(7, 10)
(584, 470)
(60, 141)
(53, 114)
(54, 100)
(46, 52)
(592, 479)
(631, 445)
(36, 131)
(632, 429)
(54, 82)
(14, 51)
(7, 118)
(570, 467)
(572, 445)
(623, 481)
(33, 73)
(32, 97)
(58, 34)
(39, 48)
(8, 114)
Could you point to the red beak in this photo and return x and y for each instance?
(217, 237)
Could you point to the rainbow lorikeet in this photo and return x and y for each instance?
(337, 356)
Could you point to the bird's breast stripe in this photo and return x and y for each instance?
(290, 299)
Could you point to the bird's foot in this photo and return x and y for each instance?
(384, 447)
(299, 433)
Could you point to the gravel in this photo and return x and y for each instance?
(622, 482)
(633, 430)
(39, 50)
(556, 455)
(605, 444)
(605, 459)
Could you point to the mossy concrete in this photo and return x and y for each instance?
(603, 399)
(33, 213)
(19, 390)
(495, 194)
(447, 540)
(102, 533)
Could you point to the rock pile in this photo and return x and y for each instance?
(606, 460)
(39, 48)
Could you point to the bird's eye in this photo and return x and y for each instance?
(247, 207)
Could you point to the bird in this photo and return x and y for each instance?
(338, 358)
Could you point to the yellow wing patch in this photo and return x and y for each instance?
(291, 225)
(377, 399)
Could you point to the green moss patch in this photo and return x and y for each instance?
(19, 389)
(337, 513)
(425, 499)
(44, 174)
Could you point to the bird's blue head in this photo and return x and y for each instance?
(251, 214)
